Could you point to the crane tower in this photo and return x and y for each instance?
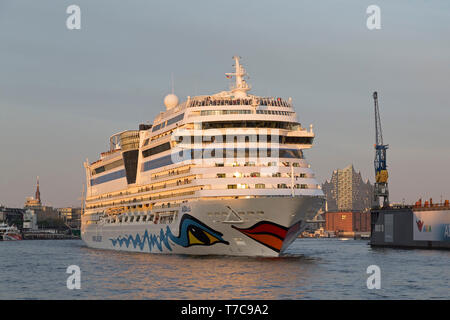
(381, 174)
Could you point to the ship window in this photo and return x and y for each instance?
(289, 153)
(157, 127)
(175, 119)
(221, 175)
(98, 170)
(234, 153)
(260, 186)
(299, 140)
(232, 186)
(248, 124)
(157, 163)
(108, 177)
(108, 166)
(155, 150)
(221, 112)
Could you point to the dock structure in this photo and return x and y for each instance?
(420, 226)
(48, 236)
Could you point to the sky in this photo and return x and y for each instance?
(64, 92)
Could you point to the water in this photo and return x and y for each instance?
(312, 269)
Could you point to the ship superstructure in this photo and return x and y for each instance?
(215, 174)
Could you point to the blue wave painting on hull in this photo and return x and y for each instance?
(192, 232)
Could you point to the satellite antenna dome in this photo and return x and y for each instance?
(170, 101)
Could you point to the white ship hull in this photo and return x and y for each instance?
(241, 227)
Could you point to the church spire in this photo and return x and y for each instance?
(38, 193)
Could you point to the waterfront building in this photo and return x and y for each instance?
(346, 191)
(42, 212)
(347, 223)
(30, 220)
(35, 204)
(11, 216)
(71, 216)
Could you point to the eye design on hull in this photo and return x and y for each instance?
(194, 232)
(199, 236)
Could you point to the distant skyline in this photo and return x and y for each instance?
(64, 92)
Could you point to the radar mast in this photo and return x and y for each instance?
(240, 88)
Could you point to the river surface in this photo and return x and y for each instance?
(311, 269)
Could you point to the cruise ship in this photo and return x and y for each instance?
(218, 174)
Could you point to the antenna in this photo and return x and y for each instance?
(173, 87)
(240, 88)
(83, 199)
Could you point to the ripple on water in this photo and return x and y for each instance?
(310, 269)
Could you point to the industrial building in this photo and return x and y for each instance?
(348, 223)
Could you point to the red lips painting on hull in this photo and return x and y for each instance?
(267, 233)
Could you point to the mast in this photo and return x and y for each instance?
(240, 88)
(83, 199)
(292, 180)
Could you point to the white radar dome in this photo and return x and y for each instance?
(171, 101)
